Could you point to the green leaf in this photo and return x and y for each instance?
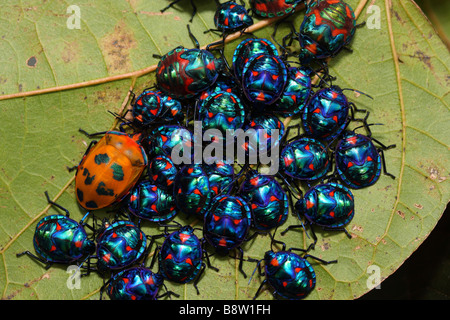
(81, 74)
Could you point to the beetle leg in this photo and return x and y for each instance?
(55, 204)
(28, 253)
(259, 289)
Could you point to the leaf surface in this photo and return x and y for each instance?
(403, 65)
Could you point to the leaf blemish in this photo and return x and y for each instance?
(31, 62)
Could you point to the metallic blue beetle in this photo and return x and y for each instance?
(290, 275)
(305, 159)
(60, 239)
(328, 205)
(327, 114)
(263, 138)
(119, 245)
(221, 111)
(146, 108)
(248, 48)
(296, 93)
(181, 257)
(359, 161)
(263, 79)
(231, 16)
(136, 283)
(164, 140)
(227, 224)
(150, 202)
(162, 171)
(192, 190)
(267, 200)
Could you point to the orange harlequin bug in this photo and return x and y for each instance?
(108, 170)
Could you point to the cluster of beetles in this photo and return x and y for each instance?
(132, 171)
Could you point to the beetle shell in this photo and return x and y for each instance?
(137, 283)
(109, 170)
(180, 256)
(169, 138)
(296, 93)
(183, 73)
(248, 48)
(230, 16)
(305, 159)
(147, 107)
(274, 8)
(327, 114)
(162, 171)
(192, 191)
(222, 111)
(263, 79)
(150, 202)
(290, 275)
(264, 127)
(60, 239)
(267, 200)
(358, 162)
(328, 205)
(171, 109)
(120, 245)
(226, 223)
(328, 26)
(220, 176)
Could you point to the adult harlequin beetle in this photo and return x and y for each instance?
(248, 48)
(296, 93)
(136, 283)
(263, 79)
(151, 202)
(108, 170)
(305, 159)
(290, 275)
(119, 245)
(192, 190)
(60, 239)
(226, 224)
(274, 8)
(181, 257)
(328, 205)
(359, 161)
(328, 26)
(267, 200)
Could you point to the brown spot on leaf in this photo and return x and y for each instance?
(116, 47)
(423, 57)
(70, 51)
(31, 62)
